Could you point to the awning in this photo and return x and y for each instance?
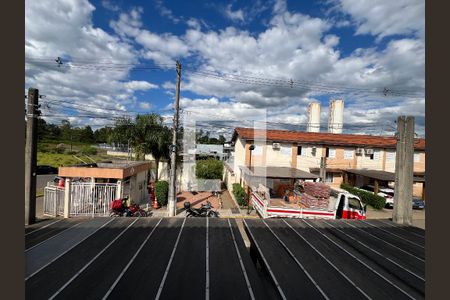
(379, 175)
(277, 172)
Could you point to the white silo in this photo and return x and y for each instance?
(336, 116)
(313, 117)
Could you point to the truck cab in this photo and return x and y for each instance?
(349, 206)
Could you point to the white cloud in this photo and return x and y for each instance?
(385, 17)
(109, 6)
(65, 29)
(168, 85)
(293, 46)
(193, 23)
(161, 48)
(145, 105)
(165, 12)
(234, 15)
(139, 85)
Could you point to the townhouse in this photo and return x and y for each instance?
(344, 155)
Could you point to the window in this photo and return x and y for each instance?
(257, 150)
(354, 203)
(331, 152)
(313, 151)
(376, 155)
(286, 150)
(390, 155)
(348, 154)
(329, 177)
(303, 151)
(416, 157)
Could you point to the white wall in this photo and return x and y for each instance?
(138, 188)
(125, 154)
(278, 158)
(364, 162)
(305, 162)
(239, 157)
(390, 163)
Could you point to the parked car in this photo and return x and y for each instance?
(418, 203)
(41, 170)
(385, 192)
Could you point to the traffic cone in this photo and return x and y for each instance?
(154, 202)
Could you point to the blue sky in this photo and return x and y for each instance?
(350, 49)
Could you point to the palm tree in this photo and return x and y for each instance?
(147, 134)
(159, 141)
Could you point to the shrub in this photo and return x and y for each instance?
(373, 200)
(59, 149)
(239, 194)
(161, 192)
(88, 150)
(44, 148)
(72, 152)
(209, 169)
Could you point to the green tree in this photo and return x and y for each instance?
(86, 135)
(66, 130)
(209, 169)
(222, 139)
(123, 131)
(103, 135)
(147, 135)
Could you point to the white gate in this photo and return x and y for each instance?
(53, 201)
(86, 199)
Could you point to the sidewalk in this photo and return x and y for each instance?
(223, 213)
(418, 215)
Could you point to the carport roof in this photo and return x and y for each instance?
(379, 175)
(105, 170)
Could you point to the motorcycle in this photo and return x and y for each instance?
(204, 211)
(120, 209)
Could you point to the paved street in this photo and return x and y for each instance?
(41, 181)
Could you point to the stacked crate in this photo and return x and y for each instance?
(316, 195)
(317, 189)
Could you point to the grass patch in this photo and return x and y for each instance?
(58, 159)
(59, 153)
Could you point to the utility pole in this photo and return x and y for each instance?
(404, 170)
(30, 156)
(323, 168)
(172, 203)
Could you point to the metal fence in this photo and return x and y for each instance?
(86, 199)
(53, 201)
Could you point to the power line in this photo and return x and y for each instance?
(98, 65)
(316, 86)
(302, 84)
(66, 102)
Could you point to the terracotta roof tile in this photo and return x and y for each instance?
(333, 139)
